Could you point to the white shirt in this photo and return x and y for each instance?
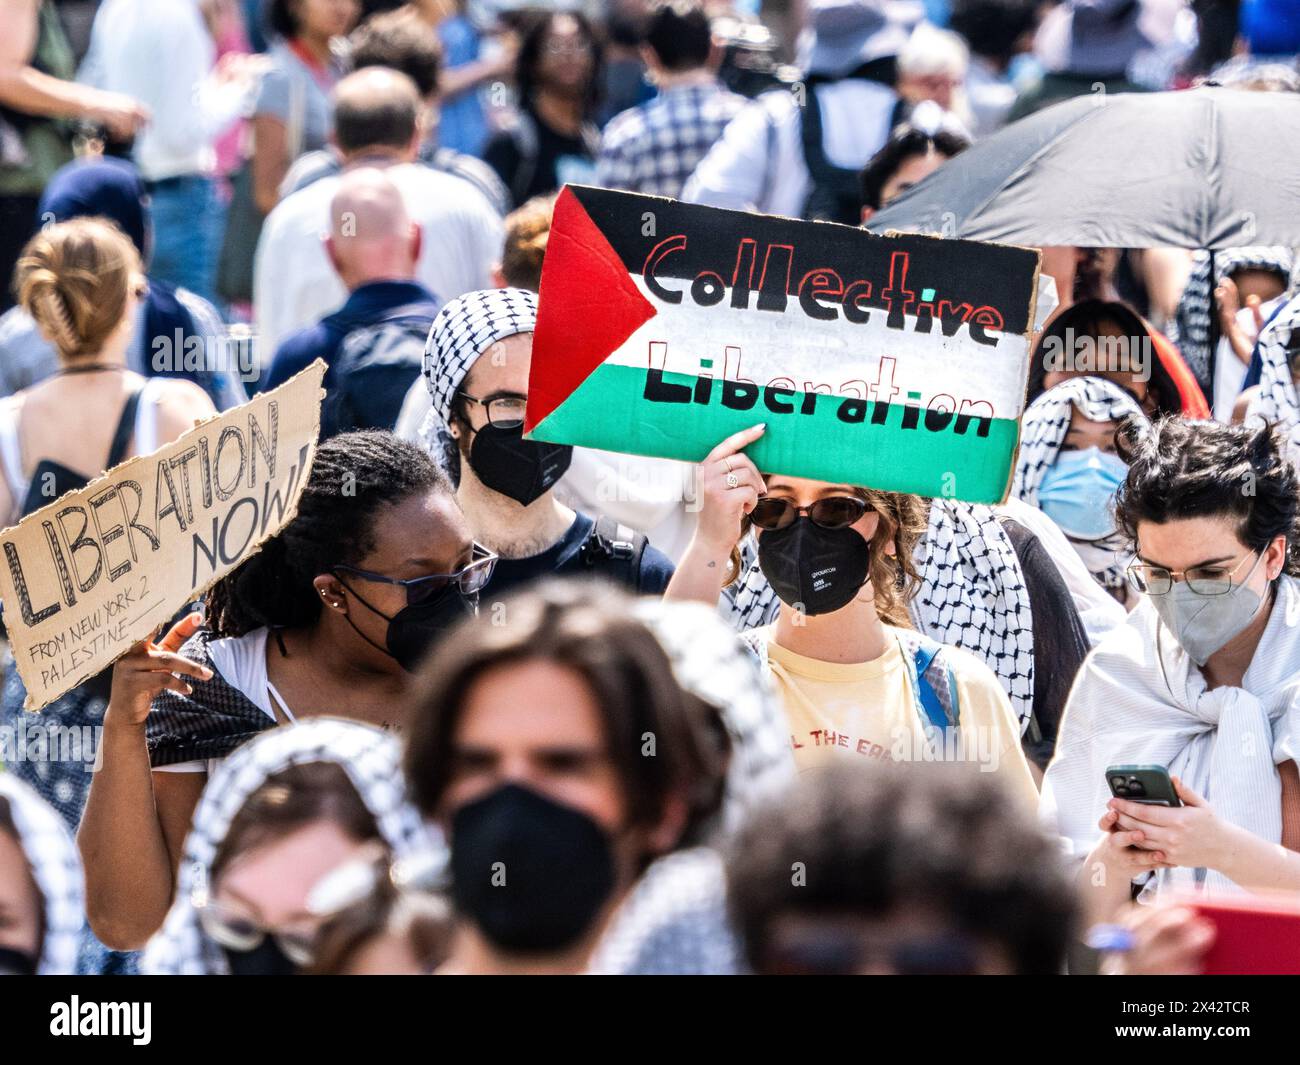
(758, 163)
(161, 53)
(294, 283)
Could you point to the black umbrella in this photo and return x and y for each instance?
(1203, 168)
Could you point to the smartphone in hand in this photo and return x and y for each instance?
(1142, 783)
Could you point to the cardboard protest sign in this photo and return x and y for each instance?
(896, 363)
(101, 568)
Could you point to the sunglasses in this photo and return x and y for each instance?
(470, 579)
(833, 512)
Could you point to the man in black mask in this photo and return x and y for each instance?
(527, 743)
(476, 365)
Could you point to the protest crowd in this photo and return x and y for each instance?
(984, 661)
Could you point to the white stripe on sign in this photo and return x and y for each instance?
(854, 359)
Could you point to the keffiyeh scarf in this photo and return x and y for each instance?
(464, 330)
(711, 663)
(372, 761)
(1139, 700)
(972, 595)
(1190, 327)
(675, 921)
(1277, 403)
(1042, 432)
(56, 867)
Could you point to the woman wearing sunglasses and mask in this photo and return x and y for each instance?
(1201, 680)
(329, 618)
(857, 681)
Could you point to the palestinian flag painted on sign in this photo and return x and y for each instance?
(896, 363)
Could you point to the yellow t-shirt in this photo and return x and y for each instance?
(866, 710)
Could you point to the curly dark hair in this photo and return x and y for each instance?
(353, 478)
(872, 841)
(1190, 469)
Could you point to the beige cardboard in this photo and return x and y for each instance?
(97, 570)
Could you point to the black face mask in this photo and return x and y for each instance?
(521, 469)
(532, 874)
(15, 962)
(818, 569)
(265, 959)
(415, 628)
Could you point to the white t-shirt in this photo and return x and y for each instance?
(241, 661)
(294, 283)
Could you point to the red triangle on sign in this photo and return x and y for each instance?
(587, 307)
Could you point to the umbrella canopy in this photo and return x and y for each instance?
(1203, 168)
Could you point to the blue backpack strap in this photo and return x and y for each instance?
(934, 688)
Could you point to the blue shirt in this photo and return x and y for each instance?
(367, 305)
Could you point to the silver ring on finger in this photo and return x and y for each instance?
(732, 480)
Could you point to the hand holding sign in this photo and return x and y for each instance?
(85, 578)
(896, 363)
(729, 486)
(144, 673)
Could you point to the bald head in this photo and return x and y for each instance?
(372, 237)
(377, 109)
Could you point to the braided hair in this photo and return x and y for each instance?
(354, 476)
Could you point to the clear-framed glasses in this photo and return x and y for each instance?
(238, 932)
(505, 412)
(470, 579)
(1217, 579)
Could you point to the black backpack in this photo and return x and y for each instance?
(614, 551)
(836, 192)
(375, 368)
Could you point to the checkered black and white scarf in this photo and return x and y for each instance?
(463, 330)
(1047, 420)
(372, 760)
(1277, 403)
(56, 867)
(711, 663)
(972, 595)
(1190, 326)
(1042, 432)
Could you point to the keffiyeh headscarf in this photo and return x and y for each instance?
(972, 595)
(1042, 432)
(1277, 403)
(463, 330)
(372, 760)
(675, 920)
(56, 867)
(1190, 328)
(1047, 420)
(711, 663)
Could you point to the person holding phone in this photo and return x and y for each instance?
(1201, 679)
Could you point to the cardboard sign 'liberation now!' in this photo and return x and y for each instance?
(896, 363)
(103, 567)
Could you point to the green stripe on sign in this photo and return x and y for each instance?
(609, 410)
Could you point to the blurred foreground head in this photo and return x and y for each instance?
(916, 869)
